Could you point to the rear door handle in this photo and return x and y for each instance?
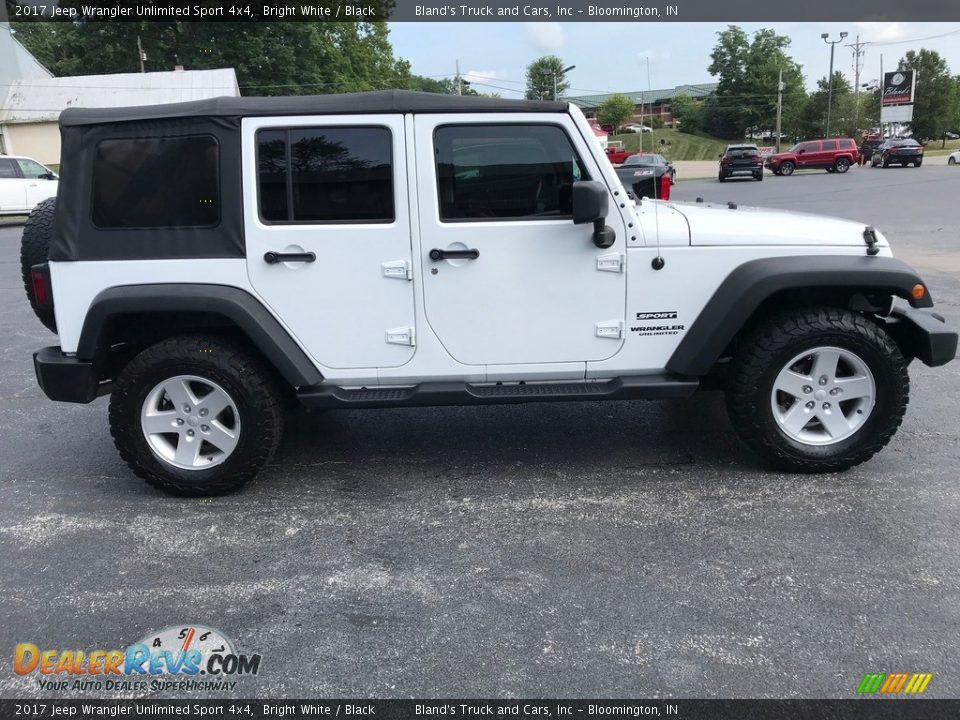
(437, 254)
(272, 258)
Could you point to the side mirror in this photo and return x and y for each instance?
(590, 204)
(48, 176)
(800, 152)
(590, 201)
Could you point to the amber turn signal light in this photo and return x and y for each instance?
(918, 291)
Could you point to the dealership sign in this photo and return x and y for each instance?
(898, 87)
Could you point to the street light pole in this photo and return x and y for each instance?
(559, 74)
(832, 44)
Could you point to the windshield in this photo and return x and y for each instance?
(644, 160)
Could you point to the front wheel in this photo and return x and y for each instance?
(818, 390)
(721, 177)
(196, 415)
(787, 168)
(951, 161)
(918, 163)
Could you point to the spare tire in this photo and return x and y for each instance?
(35, 249)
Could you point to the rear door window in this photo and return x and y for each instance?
(829, 145)
(8, 169)
(331, 174)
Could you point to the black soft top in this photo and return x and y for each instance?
(379, 102)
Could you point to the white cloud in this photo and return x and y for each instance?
(881, 31)
(546, 37)
(655, 54)
(481, 75)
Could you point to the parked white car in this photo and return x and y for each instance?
(636, 128)
(24, 183)
(954, 158)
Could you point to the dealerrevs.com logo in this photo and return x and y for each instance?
(183, 657)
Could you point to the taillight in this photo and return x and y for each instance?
(40, 279)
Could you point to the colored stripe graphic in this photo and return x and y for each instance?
(871, 683)
(894, 683)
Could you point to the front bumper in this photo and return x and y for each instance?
(923, 333)
(66, 378)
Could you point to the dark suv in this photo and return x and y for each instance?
(833, 155)
(741, 161)
(903, 151)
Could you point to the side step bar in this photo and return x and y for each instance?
(635, 387)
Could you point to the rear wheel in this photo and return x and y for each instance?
(196, 415)
(818, 390)
(787, 168)
(34, 250)
(841, 165)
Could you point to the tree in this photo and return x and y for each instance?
(545, 79)
(935, 96)
(615, 111)
(270, 58)
(748, 71)
(688, 112)
(843, 118)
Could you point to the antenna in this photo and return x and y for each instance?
(658, 262)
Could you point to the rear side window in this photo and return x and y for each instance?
(500, 172)
(847, 144)
(7, 169)
(325, 175)
(830, 145)
(157, 182)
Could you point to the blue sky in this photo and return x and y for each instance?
(611, 57)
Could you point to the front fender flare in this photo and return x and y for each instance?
(750, 284)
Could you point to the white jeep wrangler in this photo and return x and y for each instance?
(206, 262)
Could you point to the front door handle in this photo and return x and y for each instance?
(437, 254)
(272, 257)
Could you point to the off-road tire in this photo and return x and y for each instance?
(787, 168)
(241, 374)
(841, 165)
(770, 346)
(35, 249)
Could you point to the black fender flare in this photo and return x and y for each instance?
(751, 283)
(234, 304)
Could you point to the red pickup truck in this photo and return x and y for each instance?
(616, 153)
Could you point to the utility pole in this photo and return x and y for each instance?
(141, 54)
(858, 52)
(779, 107)
(459, 80)
(832, 44)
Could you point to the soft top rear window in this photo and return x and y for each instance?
(161, 182)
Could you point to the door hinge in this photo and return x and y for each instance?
(402, 336)
(612, 329)
(397, 269)
(611, 262)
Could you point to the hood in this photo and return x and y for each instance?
(716, 224)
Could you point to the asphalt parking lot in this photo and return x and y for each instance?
(622, 549)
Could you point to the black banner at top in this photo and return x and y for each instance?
(480, 10)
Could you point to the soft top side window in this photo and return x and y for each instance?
(505, 172)
(161, 182)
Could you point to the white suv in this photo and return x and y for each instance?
(208, 262)
(24, 183)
